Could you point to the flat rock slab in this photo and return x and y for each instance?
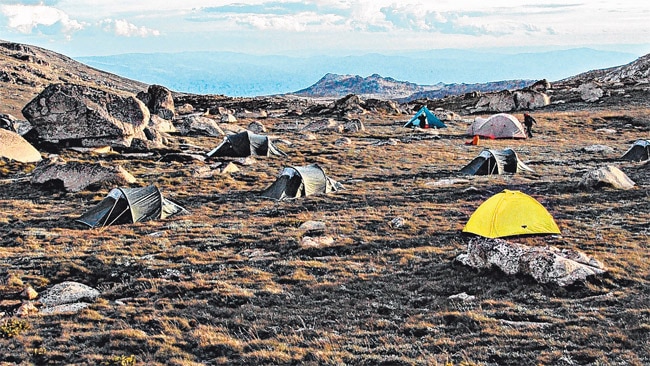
(77, 176)
(544, 264)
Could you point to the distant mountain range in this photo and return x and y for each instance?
(376, 86)
(238, 74)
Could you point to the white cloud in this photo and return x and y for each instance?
(25, 18)
(121, 27)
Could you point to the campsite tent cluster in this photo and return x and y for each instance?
(130, 205)
(505, 214)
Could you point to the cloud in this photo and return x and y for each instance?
(121, 27)
(472, 23)
(297, 16)
(26, 18)
(276, 8)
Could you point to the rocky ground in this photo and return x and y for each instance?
(243, 280)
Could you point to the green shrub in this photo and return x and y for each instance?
(12, 327)
(120, 361)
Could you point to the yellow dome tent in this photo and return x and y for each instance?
(510, 213)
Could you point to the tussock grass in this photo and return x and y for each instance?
(230, 283)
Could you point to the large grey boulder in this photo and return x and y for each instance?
(544, 264)
(159, 100)
(607, 176)
(76, 176)
(198, 125)
(507, 101)
(529, 99)
(590, 92)
(92, 116)
(496, 102)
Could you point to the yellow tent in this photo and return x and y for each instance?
(510, 213)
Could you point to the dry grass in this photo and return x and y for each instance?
(230, 283)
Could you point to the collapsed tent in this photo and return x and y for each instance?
(639, 151)
(245, 144)
(431, 119)
(510, 213)
(15, 147)
(130, 205)
(301, 181)
(491, 161)
(498, 126)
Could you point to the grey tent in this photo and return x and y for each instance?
(245, 144)
(495, 162)
(130, 205)
(639, 151)
(301, 181)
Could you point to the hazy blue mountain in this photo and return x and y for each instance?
(238, 74)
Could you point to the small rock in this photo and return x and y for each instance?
(598, 149)
(256, 127)
(29, 293)
(26, 309)
(228, 118)
(317, 242)
(64, 308)
(463, 296)
(397, 222)
(228, 168)
(343, 141)
(313, 226)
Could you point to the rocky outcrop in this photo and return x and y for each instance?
(94, 117)
(344, 107)
(544, 264)
(76, 176)
(159, 100)
(540, 86)
(607, 176)
(328, 124)
(383, 106)
(508, 101)
(496, 102)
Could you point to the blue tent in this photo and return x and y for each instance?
(432, 120)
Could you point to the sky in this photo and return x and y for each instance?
(333, 27)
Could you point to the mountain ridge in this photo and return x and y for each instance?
(239, 74)
(25, 70)
(379, 87)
